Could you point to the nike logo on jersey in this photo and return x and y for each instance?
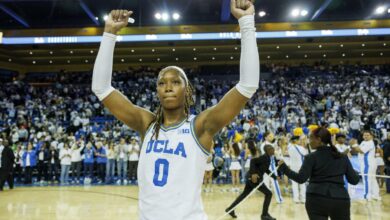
(162, 147)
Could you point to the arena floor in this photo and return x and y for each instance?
(120, 202)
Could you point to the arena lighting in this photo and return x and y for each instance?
(304, 13)
(51, 52)
(140, 60)
(176, 16)
(268, 57)
(158, 16)
(213, 58)
(388, 10)
(380, 10)
(262, 13)
(96, 18)
(165, 16)
(194, 49)
(50, 61)
(9, 60)
(34, 62)
(177, 59)
(68, 61)
(122, 60)
(381, 54)
(105, 17)
(195, 58)
(31, 53)
(295, 12)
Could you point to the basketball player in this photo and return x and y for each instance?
(176, 144)
(366, 151)
(259, 167)
(297, 154)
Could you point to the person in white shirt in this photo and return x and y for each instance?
(340, 144)
(133, 159)
(66, 159)
(76, 160)
(297, 154)
(122, 155)
(368, 166)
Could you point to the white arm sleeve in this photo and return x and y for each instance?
(102, 71)
(249, 63)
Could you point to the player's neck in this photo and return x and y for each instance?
(172, 117)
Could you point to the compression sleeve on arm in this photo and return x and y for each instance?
(102, 71)
(249, 62)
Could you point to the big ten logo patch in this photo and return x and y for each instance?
(183, 131)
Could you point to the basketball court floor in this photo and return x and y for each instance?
(120, 202)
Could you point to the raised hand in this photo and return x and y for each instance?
(240, 8)
(117, 20)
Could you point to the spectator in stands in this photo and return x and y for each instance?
(134, 150)
(66, 158)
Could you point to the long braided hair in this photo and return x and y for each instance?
(188, 102)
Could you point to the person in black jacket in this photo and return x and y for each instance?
(7, 163)
(258, 166)
(326, 195)
(386, 159)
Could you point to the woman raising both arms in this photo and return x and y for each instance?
(175, 144)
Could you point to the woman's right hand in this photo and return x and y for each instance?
(117, 20)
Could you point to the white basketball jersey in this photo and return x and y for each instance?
(170, 174)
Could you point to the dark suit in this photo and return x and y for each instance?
(386, 155)
(259, 166)
(326, 195)
(7, 163)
